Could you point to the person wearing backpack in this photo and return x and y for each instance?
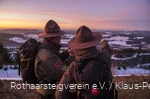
(90, 67)
(49, 66)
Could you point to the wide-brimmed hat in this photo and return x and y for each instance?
(85, 38)
(51, 29)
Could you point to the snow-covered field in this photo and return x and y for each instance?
(13, 73)
(10, 73)
(114, 41)
(117, 40)
(129, 71)
(127, 58)
(17, 39)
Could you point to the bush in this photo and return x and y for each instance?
(4, 55)
(5, 68)
(11, 67)
(1, 66)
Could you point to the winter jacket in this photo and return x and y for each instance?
(70, 76)
(49, 66)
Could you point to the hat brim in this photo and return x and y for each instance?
(45, 35)
(97, 38)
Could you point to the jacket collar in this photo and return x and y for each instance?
(83, 54)
(51, 45)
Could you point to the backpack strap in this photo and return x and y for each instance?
(114, 90)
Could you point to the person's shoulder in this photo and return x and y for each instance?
(45, 53)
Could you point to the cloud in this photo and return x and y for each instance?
(97, 13)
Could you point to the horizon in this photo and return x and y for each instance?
(129, 15)
(95, 30)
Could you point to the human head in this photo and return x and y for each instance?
(85, 38)
(52, 31)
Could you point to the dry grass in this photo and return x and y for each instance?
(134, 93)
(7, 93)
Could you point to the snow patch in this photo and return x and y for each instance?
(143, 65)
(31, 36)
(128, 33)
(118, 38)
(142, 54)
(69, 36)
(118, 43)
(140, 37)
(129, 71)
(108, 32)
(17, 39)
(11, 47)
(106, 35)
(125, 58)
(65, 41)
(10, 78)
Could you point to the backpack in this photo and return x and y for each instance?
(27, 59)
(97, 73)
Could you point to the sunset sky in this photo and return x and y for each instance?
(71, 14)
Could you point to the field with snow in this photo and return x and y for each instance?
(136, 61)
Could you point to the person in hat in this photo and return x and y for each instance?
(81, 69)
(49, 66)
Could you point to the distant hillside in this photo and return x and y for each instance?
(18, 31)
(4, 38)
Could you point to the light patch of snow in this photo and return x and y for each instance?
(130, 75)
(140, 37)
(65, 41)
(143, 42)
(64, 48)
(146, 46)
(134, 47)
(125, 58)
(11, 47)
(108, 32)
(69, 36)
(12, 52)
(143, 65)
(128, 33)
(22, 33)
(9, 73)
(129, 71)
(12, 74)
(10, 78)
(118, 38)
(17, 39)
(120, 43)
(31, 36)
(141, 54)
(106, 35)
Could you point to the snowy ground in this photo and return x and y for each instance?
(129, 71)
(115, 41)
(17, 39)
(118, 41)
(13, 73)
(10, 73)
(127, 58)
